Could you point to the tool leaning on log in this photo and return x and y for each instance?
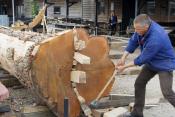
(44, 62)
(94, 104)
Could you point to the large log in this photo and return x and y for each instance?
(44, 63)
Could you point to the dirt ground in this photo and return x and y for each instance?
(19, 98)
(124, 84)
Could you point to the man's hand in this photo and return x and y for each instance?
(4, 93)
(121, 62)
(120, 68)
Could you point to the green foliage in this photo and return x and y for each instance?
(35, 8)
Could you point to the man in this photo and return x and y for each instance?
(4, 93)
(157, 56)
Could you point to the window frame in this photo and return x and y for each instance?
(57, 8)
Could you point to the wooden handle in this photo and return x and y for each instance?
(106, 85)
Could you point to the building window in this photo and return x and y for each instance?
(57, 10)
(172, 8)
(151, 7)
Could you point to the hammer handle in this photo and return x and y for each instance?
(106, 85)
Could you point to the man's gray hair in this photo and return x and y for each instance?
(142, 19)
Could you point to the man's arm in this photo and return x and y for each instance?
(122, 67)
(147, 54)
(132, 45)
(123, 58)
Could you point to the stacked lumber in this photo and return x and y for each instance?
(19, 25)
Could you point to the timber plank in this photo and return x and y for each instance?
(36, 111)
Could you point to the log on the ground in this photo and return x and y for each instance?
(44, 63)
(19, 25)
(36, 111)
(117, 112)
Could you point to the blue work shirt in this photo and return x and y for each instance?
(114, 20)
(156, 49)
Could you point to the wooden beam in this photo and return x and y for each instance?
(36, 111)
(113, 96)
(78, 76)
(117, 112)
(83, 59)
(117, 101)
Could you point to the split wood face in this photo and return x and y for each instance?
(50, 69)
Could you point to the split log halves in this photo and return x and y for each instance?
(44, 62)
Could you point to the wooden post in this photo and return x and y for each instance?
(13, 11)
(96, 17)
(66, 107)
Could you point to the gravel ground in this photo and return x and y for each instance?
(17, 100)
(124, 84)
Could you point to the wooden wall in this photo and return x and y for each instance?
(86, 9)
(104, 14)
(74, 10)
(50, 10)
(28, 7)
(88, 12)
(161, 11)
(118, 9)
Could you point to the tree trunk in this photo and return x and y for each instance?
(44, 63)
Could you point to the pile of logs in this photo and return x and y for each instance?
(49, 64)
(19, 25)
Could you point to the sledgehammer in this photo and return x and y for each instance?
(93, 104)
(87, 111)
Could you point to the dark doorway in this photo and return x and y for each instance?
(128, 13)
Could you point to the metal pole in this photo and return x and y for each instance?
(66, 107)
(45, 2)
(44, 20)
(96, 17)
(13, 8)
(136, 7)
(67, 10)
(169, 7)
(81, 11)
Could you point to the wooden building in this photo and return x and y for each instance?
(84, 9)
(159, 10)
(6, 12)
(162, 11)
(6, 7)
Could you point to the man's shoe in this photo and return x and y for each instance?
(128, 114)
